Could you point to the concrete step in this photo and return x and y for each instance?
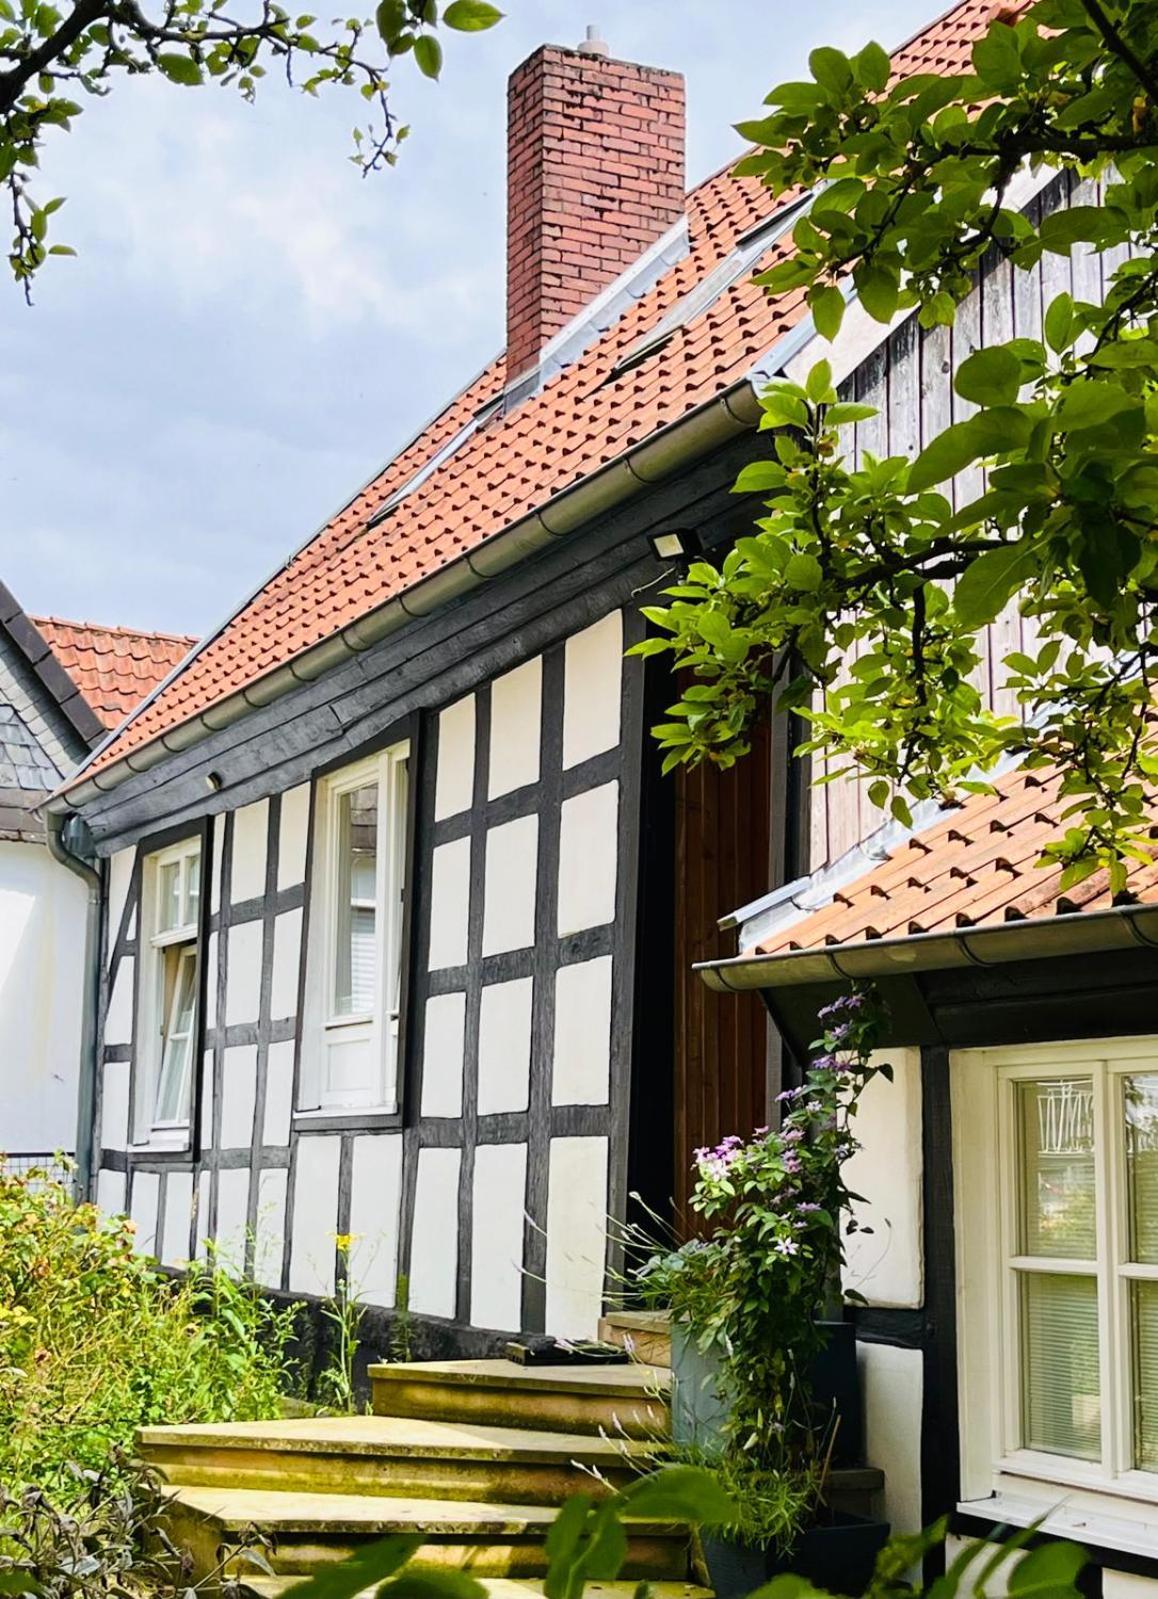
(646, 1333)
(305, 1531)
(496, 1587)
(393, 1455)
(618, 1401)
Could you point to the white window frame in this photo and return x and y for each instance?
(153, 1014)
(1109, 1502)
(379, 1029)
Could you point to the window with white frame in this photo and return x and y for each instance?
(170, 957)
(1056, 1172)
(354, 967)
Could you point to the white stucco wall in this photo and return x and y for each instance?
(42, 918)
(885, 1264)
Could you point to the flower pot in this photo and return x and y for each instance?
(835, 1383)
(838, 1556)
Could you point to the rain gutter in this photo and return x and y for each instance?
(734, 411)
(66, 847)
(1032, 938)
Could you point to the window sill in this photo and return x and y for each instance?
(354, 1119)
(1090, 1517)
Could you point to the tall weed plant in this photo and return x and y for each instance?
(96, 1341)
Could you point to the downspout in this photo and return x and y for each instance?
(71, 852)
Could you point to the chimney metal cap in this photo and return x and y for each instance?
(593, 45)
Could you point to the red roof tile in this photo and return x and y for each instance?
(580, 421)
(976, 867)
(114, 667)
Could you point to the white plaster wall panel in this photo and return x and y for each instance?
(576, 1235)
(115, 1105)
(498, 1209)
(1127, 1585)
(592, 677)
(516, 717)
(42, 981)
(279, 1093)
(143, 1211)
(211, 980)
(232, 1217)
(120, 880)
(892, 1383)
(997, 1585)
(885, 1265)
(449, 901)
(442, 1055)
(269, 1229)
(201, 1223)
(581, 1073)
(250, 838)
(375, 1202)
(110, 1192)
(287, 954)
(504, 1046)
(510, 877)
(207, 1100)
(243, 973)
(238, 1096)
(434, 1237)
(217, 864)
(315, 1216)
(588, 850)
(454, 777)
(293, 832)
(178, 1218)
(119, 1015)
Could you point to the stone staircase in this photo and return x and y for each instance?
(474, 1455)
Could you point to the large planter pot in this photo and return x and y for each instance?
(698, 1413)
(838, 1557)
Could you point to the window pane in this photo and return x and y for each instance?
(1061, 1405)
(1144, 1311)
(1141, 1107)
(192, 888)
(356, 952)
(177, 1047)
(169, 897)
(1057, 1167)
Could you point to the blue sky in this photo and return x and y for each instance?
(251, 329)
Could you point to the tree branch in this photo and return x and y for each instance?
(12, 82)
(1122, 49)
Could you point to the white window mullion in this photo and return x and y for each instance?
(1010, 1345)
(1108, 1177)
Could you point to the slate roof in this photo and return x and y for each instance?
(585, 417)
(975, 867)
(24, 765)
(114, 667)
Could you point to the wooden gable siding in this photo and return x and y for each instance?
(910, 381)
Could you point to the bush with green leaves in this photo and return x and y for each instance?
(96, 1341)
(911, 184)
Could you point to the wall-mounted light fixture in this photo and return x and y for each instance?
(215, 782)
(676, 544)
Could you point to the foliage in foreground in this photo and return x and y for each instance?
(48, 56)
(912, 186)
(95, 1341)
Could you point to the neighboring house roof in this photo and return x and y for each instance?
(940, 895)
(24, 766)
(42, 667)
(491, 476)
(114, 667)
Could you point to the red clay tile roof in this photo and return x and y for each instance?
(976, 867)
(581, 420)
(114, 667)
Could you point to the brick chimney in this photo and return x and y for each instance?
(595, 175)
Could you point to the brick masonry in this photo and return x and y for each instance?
(595, 174)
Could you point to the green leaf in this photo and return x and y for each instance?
(758, 476)
(433, 1584)
(1088, 405)
(471, 16)
(804, 573)
(987, 584)
(872, 67)
(391, 18)
(989, 377)
(180, 69)
(846, 411)
(818, 383)
(1059, 321)
(988, 433)
(827, 303)
(832, 70)
(428, 54)
(681, 1493)
(371, 1564)
(879, 290)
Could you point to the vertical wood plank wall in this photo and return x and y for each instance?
(722, 861)
(910, 381)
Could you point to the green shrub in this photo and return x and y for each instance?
(96, 1341)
